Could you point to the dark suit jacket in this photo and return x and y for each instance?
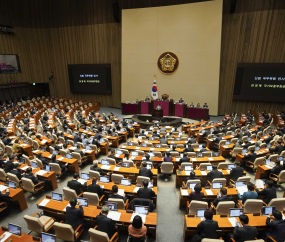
(278, 149)
(196, 196)
(277, 169)
(9, 166)
(278, 229)
(245, 233)
(73, 216)
(189, 149)
(221, 199)
(75, 185)
(77, 139)
(215, 174)
(185, 159)
(34, 179)
(106, 225)
(117, 196)
(267, 140)
(217, 140)
(146, 193)
(94, 188)
(269, 194)
(102, 173)
(113, 157)
(251, 157)
(17, 173)
(145, 172)
(208, 228)
(236, 173)
(3, 196)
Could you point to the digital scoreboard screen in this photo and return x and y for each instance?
(90, 78)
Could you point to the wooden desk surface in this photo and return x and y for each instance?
(22, 238)
(199, 172)
(133, 170)
(207, 160)
(230, 192)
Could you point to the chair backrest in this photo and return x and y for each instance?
(281, 176)
(183, 164)
(111, 161)
(224, 207)
(278, 203)
(252, 206)
(213, 240)
(190, 154)
(140, 152)
(70, 142)
(64, 231)
(14, 178)
(121, 203)
(273, 157)
(98, 236)
(223, 165)
(116, 178)
(9, 150)
(28, 185)
(34, 224)
(56, 168)
(174, 153)
(258, 161)
(140, 179)
(62, 152)
(36, 144)
(30, 141)
(263, 146)
(194, 205)
(129, 162)
(39, 163)
(234, 140)
(93, 198)
(204, 166)
(192, 181)
(3, 175)
(223, 180)
(68, 193)
(236, 151)
(157, 153)
(195, 145)
(207, 153)
(167, 168)
(222, 142)
(94, 174)
(77, 156)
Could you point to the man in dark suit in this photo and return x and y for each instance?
(218, 139)
(277, 168)
(237, 171)
(238, 134)
(77, 138)
(43, 159)
(251, 156)
(206, 133)
(181, 100)
(96, 168)
(29, 175)
(268, 139)
(215, 173)
(56, 147)
(203, 148)
(189, 149)
(106, 224)
(95, 188)
(207, 228)
(269, 192)
(74, 215)
(223, 197)
(277, 225)
(146, 192)
(116, 195)
(16, 171)
(144, 171)
(9, 164)
(279, 148)
(192, 140)
(75, 184)
(112, 155)
(245, 232)
(185, 157)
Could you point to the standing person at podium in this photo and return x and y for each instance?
(158, 107)
(147, 99)
(181, 100)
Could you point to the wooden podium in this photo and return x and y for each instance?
(157, 113)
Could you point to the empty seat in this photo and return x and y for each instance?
(194, 205)
(66, 232)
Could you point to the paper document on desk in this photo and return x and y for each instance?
(24, 168)
(225, 146)
(141, 215)
(116, 155)
(61, 158)
(146, 141)
(210, 158)
(6, 235)
(44, 202)
(132, 157)
(82, 181)
(259, 183)
(123, 146)
(136, 189)
(242, 189)
(72, 148)
(187, 173)
(232, 221)
(2, 188)
(194, 159)
(41, 172)
(50, 156)
(121, 192)
(210, 140)
(204, 173)
(105, 167)
(209, 192)
(114, 215)
(117, 168)
(167, 150)
(151, 149)
(184, 192)
(36, 151)
(229, 171)
(137, 148)
(44, 141)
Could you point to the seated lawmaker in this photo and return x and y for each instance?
(116, 195)
(74, 215)
(191, 105)
(196, 194)
(144, 171)
(75, 184)
(205, 105)
(185, 157)
(277, 224)
(146, 192)
(147, 99)
(236, 172)
(198, 105)
(181, 100)
(251, 194)
(137, 229)
(223, 197)
(96, 168)
(95, 188)
(277, 168)
(268, 192)
(215, 173)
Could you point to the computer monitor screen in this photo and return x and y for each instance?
(209, 168)
(48, 168)
(126, 182)
(43, 149)
(239, 184)
(104, 179)
(141, 209)
(171, 146)
(22, 160)
(269, 145)
(130, 143)
(231, 166)
(158, 146)
(12, 184)
(150, 184)
(236, 212)
(192, 185)
(85, 176)
(119, 152)
(83, 201)
(200, 213)
(54, 152)
(14, 229)
(217, 185)
(102, 141)
(203, 131)
(47, 237)
(143, 145)
(104, 133)
(257, 148)
(135, 123)
(200, 146)
(233, 133)
(200, 155)
(177, 139)
(215, 154)
(56, 196)
(280, 158)
(125, 164)
(88, 147)
(151, 154)
(134, 153)
(244, 151)
(151, 138)
(68, 156)
(267, 210)
(104, 162)
(34, 165)
(188, 168)
(114, 135)
(112, 206)
(181, 155)
(148, 166)
(228, 142)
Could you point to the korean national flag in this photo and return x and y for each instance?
(154, 92)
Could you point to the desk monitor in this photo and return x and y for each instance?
(211, 129)
(215, 154)
(223, 134)
(151, 154)
(177, 139)
(87, 129)
(125, 164)
(22, 160)
(105, 162)
(114, 135)
(233, 133)
(143, 145)
(200, 146)
(122, 130)
(141, 209)
(280, 158)
(102, 141)
(54, 152)
(135, 123)
(48, 237)
(145, 132)
(181, 155)
(119, 152)
(186, 146)
(217, 185)
(239, 184)
(68, 156)
(268, 145)
(150, 184)
(200, 213)
(151, 138)
(34, 165)
(244, 151)
(126, 182)
(188, 168)
(83, 201)
(134, 153)
(209, 168)
(130, 144)
(267, 161)
(203, 131)
(48, 168)
(43, 149)
(88, 147)
(171, 146)
(200, 154)
(267, 210)
(129, 126)
(257, 148)
(248, 139)
(104, 133)
(14, 229)
(12, 184)
(231, 166)
(82, 136)
(113, 206)
(104, 179)
(85, 176)
(56, 196)
(228, 142)
(192, 185)
(158, 146)
(120, 124)
(236, 212)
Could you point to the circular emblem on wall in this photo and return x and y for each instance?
(168, 63)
